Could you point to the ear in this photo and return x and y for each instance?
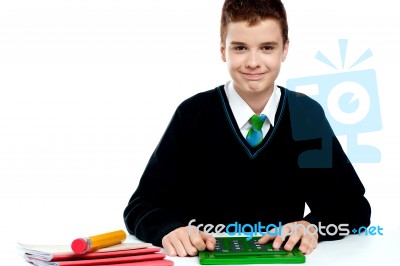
(285, 50)
(223, 50)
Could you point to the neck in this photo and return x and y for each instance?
(257, 100)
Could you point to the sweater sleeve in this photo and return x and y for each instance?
(149, 214)
(334, 191)
(336, 198)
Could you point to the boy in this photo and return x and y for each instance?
(218, 164)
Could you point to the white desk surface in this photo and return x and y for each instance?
(352, 250)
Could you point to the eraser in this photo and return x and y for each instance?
(79, 245)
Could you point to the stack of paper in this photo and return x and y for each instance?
(132, 254)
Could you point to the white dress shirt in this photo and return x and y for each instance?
(242, 111)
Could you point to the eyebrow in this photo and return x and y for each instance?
(263, 44)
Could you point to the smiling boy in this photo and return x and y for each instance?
(254, 55)
(229, 154)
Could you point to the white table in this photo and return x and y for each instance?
(352, 250)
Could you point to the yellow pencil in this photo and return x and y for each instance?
(92, 243)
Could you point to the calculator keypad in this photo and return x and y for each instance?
(235, 245)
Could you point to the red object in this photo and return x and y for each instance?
(145, 259)
(96, 255)
(79, 245)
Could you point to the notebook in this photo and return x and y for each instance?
(238, 250)
(139, 260)
(64, 252)
(140, 254)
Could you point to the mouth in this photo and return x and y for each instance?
(253, 76)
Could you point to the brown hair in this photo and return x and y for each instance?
(253, 11)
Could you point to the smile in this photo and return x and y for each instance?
(253, 76)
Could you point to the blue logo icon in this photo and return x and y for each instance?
(351, 103)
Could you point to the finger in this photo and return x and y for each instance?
(309, 242)
(192, 230)
(313, 245)
(304, 245)
(210, 243)
(179, 239)
(292, 240)
(287, 230)
(168, 247)
(278, 242)
(267, 237)
(186, 243)
(179, 248)
(198, 241)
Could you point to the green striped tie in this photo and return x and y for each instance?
(255, 135)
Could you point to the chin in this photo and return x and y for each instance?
(255, 89)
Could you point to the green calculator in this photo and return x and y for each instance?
(238, 250)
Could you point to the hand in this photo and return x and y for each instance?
(308, 237)
(187, 241)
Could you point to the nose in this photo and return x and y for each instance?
(252, 60)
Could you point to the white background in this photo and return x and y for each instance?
(88, 87)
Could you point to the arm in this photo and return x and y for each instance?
(334, 192)
(156, 211)
(337, 197)
(331, 186)
(150, 212)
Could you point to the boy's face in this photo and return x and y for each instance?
(254, 55)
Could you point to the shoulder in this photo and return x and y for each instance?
(301, 100)
(200, 98)
(204, 100)
(307, 117)
(302, 105)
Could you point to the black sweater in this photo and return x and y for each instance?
(204, 169)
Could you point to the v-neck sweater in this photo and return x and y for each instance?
(204, 169)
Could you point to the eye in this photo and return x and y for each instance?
(267, 48)
(239, 48)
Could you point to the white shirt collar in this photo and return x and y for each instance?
(242, 111)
